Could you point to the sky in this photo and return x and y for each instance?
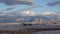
(47, 6)
(11, 10)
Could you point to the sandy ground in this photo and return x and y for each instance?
(48, 32)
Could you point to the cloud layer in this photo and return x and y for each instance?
(55, 3)
(16, 2)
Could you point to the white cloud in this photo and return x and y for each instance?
(48, 13)
(28, 13)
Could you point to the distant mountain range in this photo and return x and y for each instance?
(16, 17)
(28, 18)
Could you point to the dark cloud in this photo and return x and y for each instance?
(1, 13)
(16, 2)
(55, 3)
(10, 8)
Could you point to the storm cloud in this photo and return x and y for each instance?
(17, 2)
(55, 3)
